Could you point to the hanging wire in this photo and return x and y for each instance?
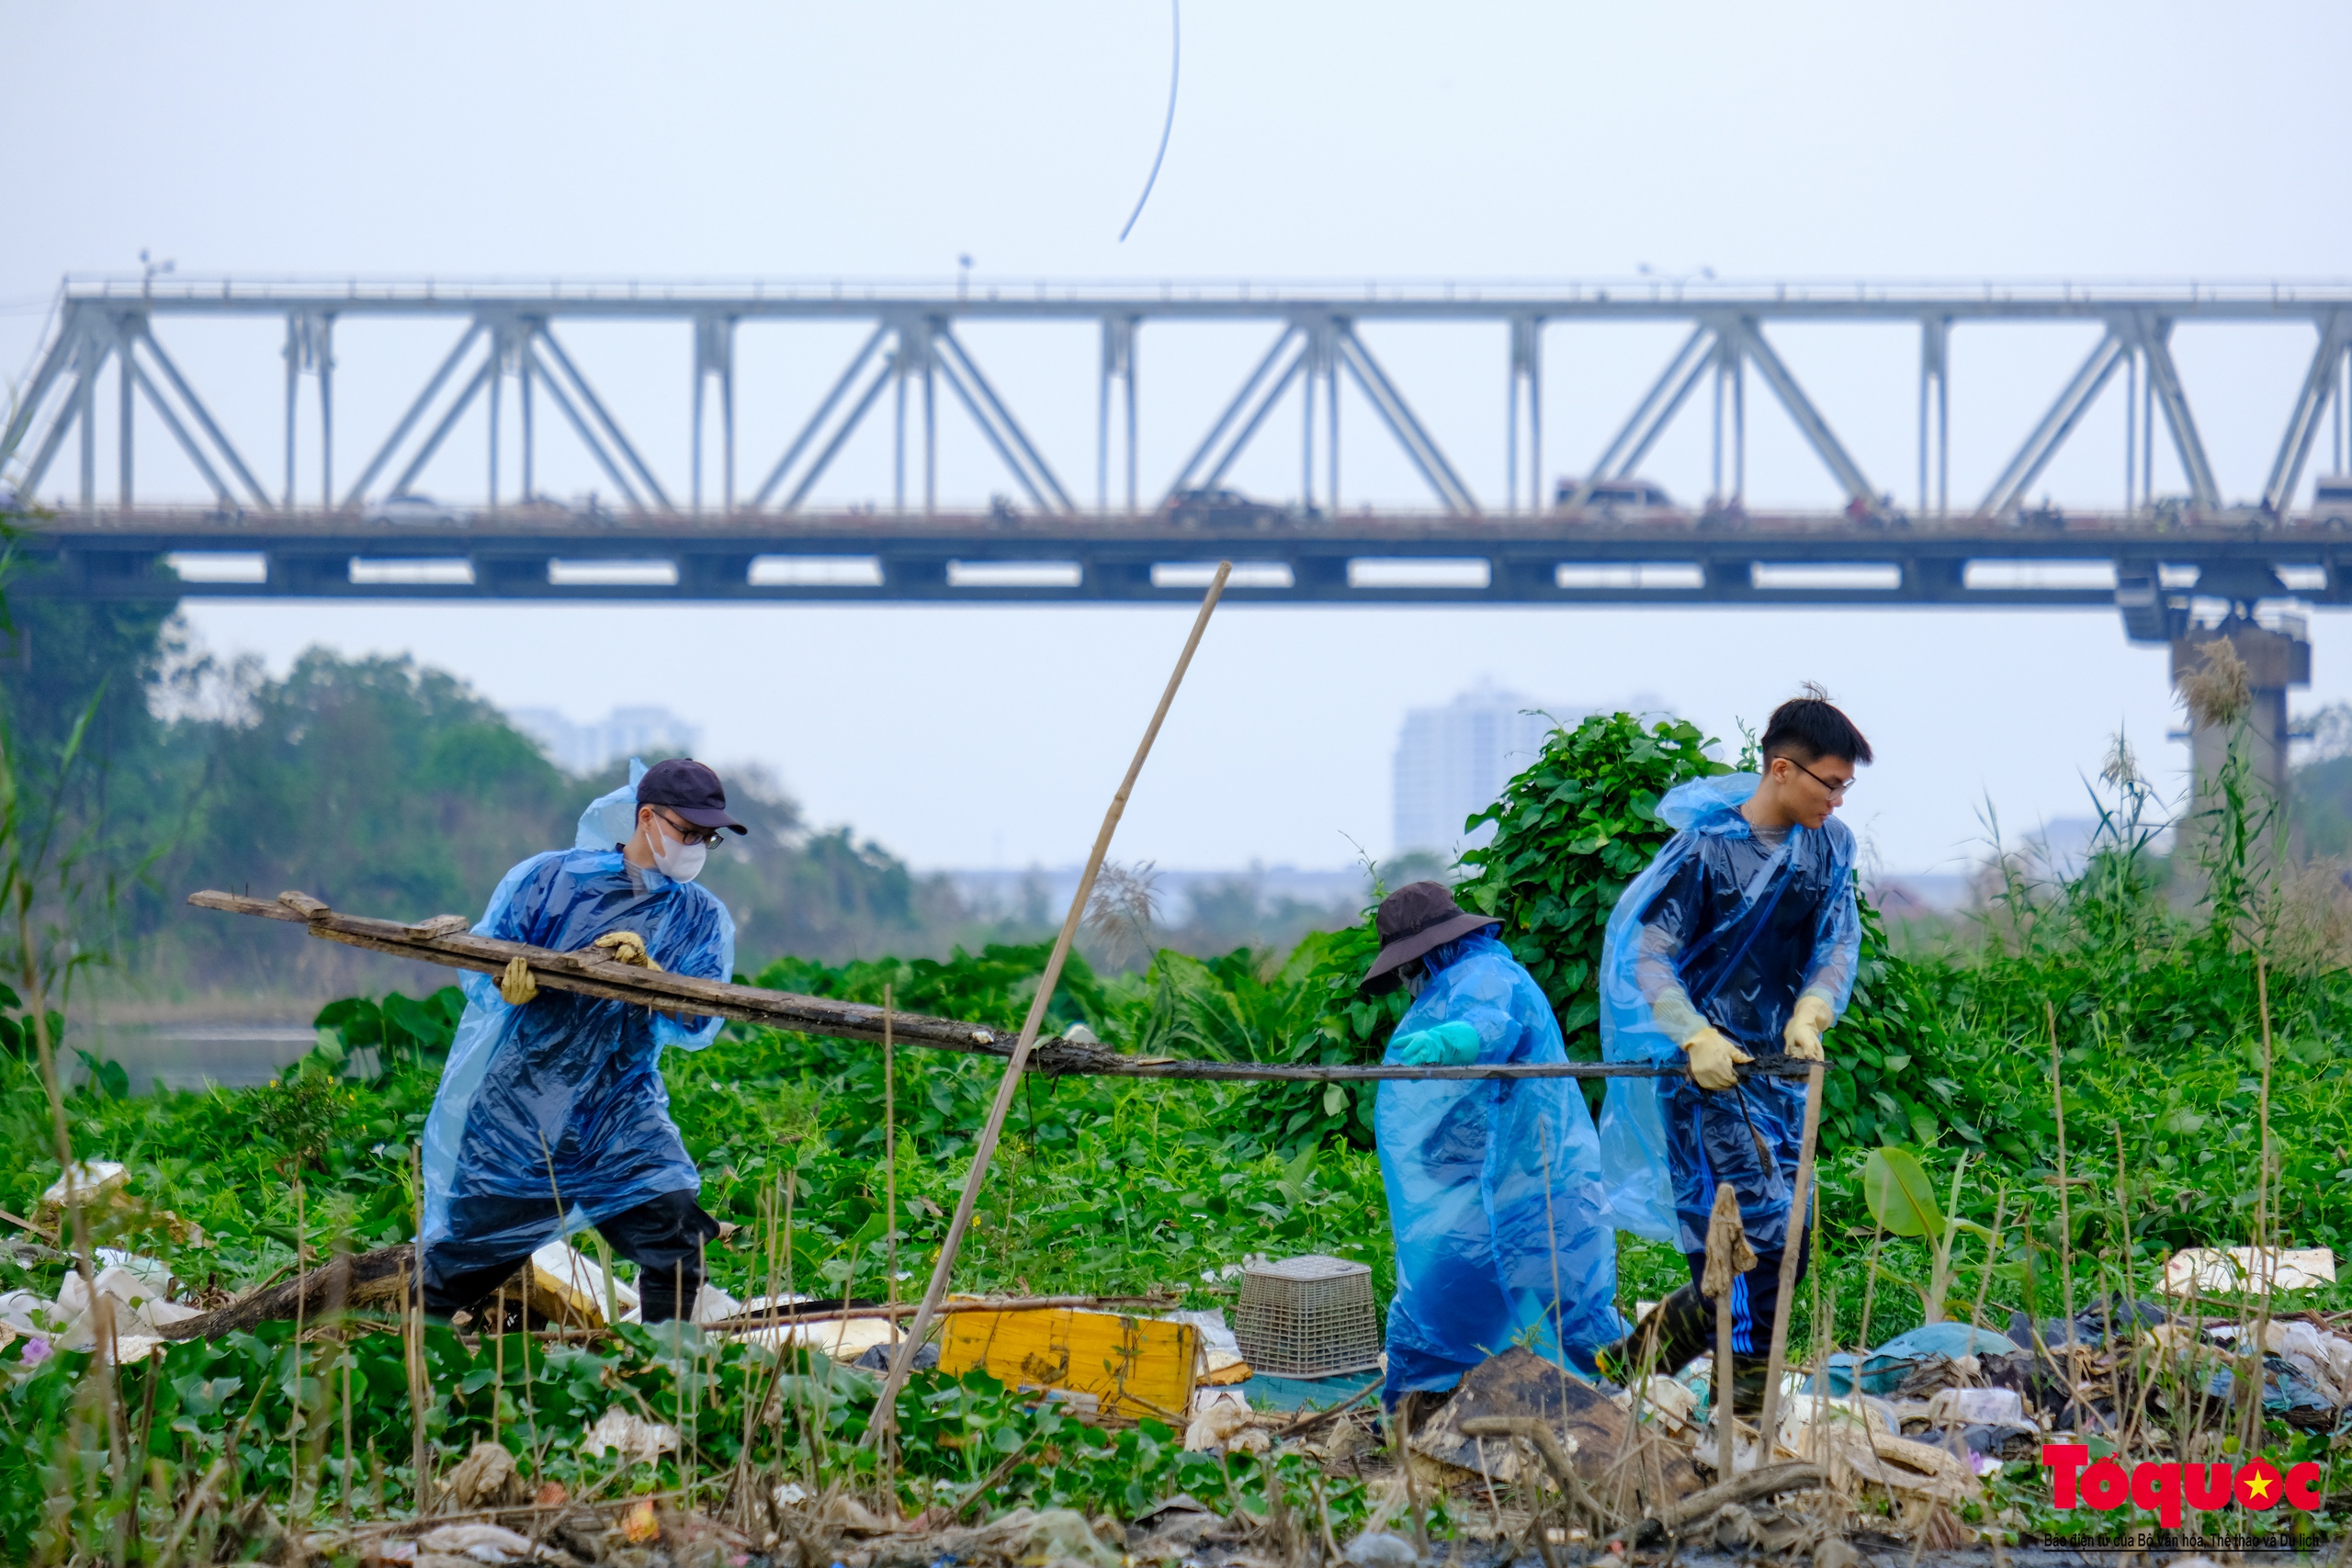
(1175, 61)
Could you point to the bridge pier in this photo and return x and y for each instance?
(2276, 660)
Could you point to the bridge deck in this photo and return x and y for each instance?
(1391, 557)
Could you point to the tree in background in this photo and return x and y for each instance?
(374, 785)
(73, 661)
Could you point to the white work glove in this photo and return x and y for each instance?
(516, 983)
(1712, 1059)
(1803, 1036)
(627, 947)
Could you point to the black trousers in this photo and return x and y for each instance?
(663, 1237)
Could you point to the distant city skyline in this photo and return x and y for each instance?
(581, 750)
(1454, 759)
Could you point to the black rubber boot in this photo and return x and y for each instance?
(1748, 1376)
(1680, 1327)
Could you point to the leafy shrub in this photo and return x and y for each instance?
(1335, 1027)
(1570, 832)
(399, 1029)
(17, 1026)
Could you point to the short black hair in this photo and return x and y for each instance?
(1809, 728)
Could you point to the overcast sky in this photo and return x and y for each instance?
(1360, 141)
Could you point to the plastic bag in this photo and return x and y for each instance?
(563, 1097)
(1494, 1190)
(1751, 930)
(611, 818)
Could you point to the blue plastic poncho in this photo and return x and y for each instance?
(1494, 1191)
(1721, 930)
(566, 1093)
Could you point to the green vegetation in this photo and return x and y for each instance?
(1118, 1187)
(2204, 1101)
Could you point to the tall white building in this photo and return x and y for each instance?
(591, 748)
(1455, 760)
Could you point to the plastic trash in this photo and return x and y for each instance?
(154, 1273)
(2323, 1359)
(1493, 1191)
(1220, 1420)
(2104, 1319)
(1053, 1535)
(1885, 1369)
(576, 1280)
(628, 1434)
(1221, 1358)
(88, 1180)
(1382, 1549)
(564, 1094)
(2229, 1271)
(1742, 960)
(2285, 1391)
(28, 1313)
(484, 1543)
(1977, 1405)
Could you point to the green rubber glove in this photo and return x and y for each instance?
(1449, 1044)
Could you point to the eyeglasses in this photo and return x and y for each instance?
(1836, 790)
(686, 831)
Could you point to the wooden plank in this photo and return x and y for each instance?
(1134, 1366)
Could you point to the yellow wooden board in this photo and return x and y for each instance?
(1133, 1366)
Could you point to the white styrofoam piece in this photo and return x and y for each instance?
(2204, 1269)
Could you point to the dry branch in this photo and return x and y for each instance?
(1765, 1481)
(364, 1280)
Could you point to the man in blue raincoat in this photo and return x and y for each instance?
(1493, 1194)
(1738, 942)
(551, 1114)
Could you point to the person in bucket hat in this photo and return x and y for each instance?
(1494, 1189)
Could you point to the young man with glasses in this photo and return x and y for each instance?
(551, 1114)
(1738, 942)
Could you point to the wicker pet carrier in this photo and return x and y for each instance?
(1308, 1318)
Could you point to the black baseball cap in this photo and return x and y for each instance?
(691, 790)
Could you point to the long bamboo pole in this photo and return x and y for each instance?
(429, 941)
(984, 1151)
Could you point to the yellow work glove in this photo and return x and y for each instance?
(1803, 1036)
(516, 983)
(1711, 1058)
(627, 947)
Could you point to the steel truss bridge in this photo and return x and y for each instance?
(747, 532)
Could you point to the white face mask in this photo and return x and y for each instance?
(678, 862)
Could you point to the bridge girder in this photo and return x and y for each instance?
(508, 338)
